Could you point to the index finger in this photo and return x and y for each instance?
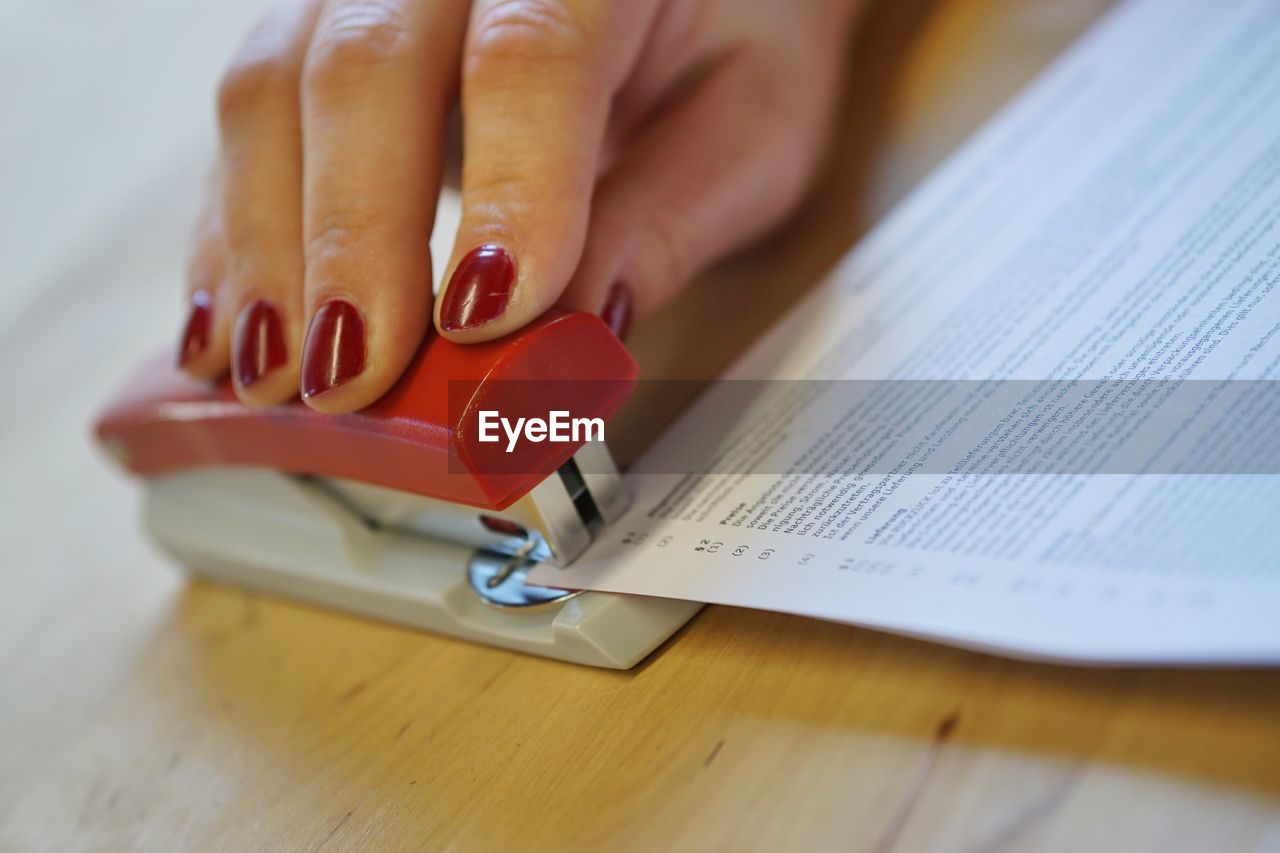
(538, 79)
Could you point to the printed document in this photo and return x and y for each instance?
(1033, 411)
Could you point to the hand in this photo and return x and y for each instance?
(612, 148)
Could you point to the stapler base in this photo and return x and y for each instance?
(288, 535)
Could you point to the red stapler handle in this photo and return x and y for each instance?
(420, 437)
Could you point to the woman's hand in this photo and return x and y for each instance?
(612, 148)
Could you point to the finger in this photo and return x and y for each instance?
(714, 171)
(380, 78)
(204, 344)
(538, 77)
(261, 202)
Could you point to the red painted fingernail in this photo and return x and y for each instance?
(257, 346)
(479, 289)
(334, 350)
(195, 335)
(617, 309)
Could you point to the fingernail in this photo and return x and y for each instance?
(334, 349)
(195, 335)
(257, 346)
(479, 289)
(617, 309)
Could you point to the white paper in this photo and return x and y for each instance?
(1118, 219)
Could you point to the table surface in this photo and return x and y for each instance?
(142, 710)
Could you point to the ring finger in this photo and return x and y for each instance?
(260, 126)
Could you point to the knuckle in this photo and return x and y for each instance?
(343, 228)
(499, 185)
(526, 31)
(357, 37)
(519, 188)
(251, 82)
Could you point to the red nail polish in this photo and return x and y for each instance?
(257, 345)
(479, 290)
(334, 350)
(617, 309)
(195, 335)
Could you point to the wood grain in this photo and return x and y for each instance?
(139, 711)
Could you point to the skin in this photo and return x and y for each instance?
(606, 141)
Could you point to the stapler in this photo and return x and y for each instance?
(397, 511)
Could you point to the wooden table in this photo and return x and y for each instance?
(138, 710)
